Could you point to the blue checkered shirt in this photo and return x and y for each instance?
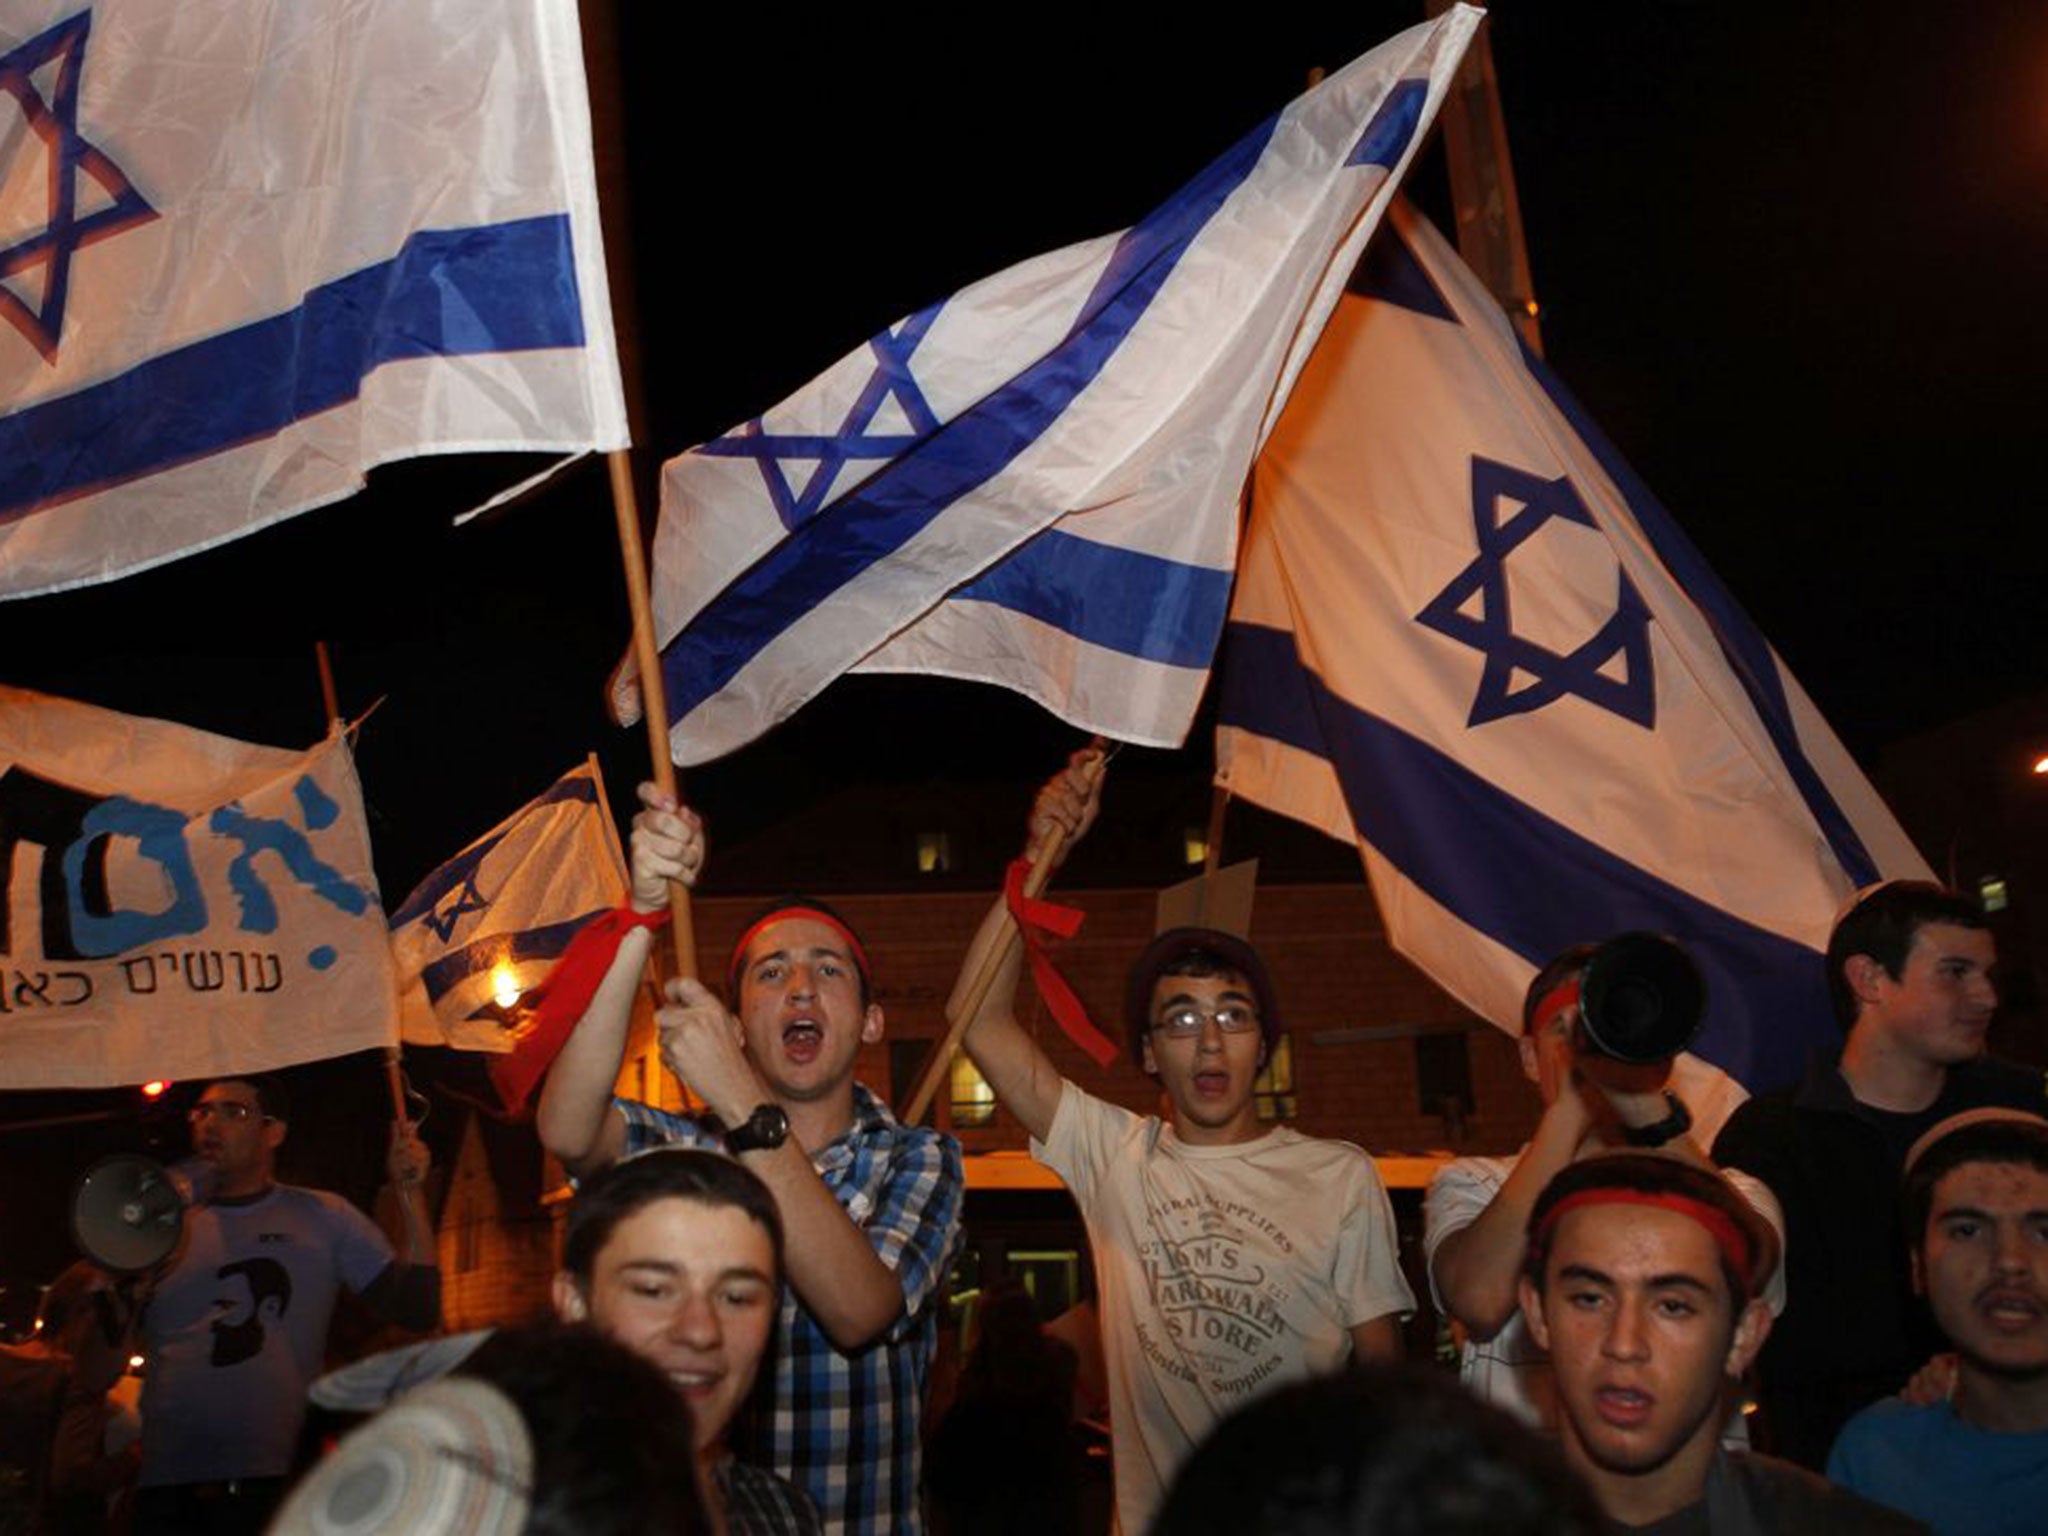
(845, 1428)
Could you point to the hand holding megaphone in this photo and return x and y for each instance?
(1641, 1002)
(128, 1213)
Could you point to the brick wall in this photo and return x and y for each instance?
(1336, 978)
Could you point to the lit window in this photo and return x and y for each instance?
(1991, 892)
(1273, 1089)
(1194, 845)
(974, 1102)
(934, 853)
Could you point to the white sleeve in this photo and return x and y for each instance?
(1085, 1134)
(1462, 1188)
(1367, 1276)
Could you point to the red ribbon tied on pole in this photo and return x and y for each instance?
(1040, 921)
(564, 998)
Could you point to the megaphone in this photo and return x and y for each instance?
(1641, 998)
(128, 1212)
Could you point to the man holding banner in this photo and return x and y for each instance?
(870, 1208)
(1231, 1258)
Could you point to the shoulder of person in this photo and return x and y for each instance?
(1324, 1156)
(921, 1142)
(1758, 1123)
(1791, 1498)
(1994, 1081)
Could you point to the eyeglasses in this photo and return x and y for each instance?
(231, 1110)
(1186, 1023)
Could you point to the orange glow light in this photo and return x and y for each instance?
(154, 1090)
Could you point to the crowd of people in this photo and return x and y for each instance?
(1831, 1315)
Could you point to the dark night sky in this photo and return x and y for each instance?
(1790, 258)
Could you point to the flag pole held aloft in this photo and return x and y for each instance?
(632, 554)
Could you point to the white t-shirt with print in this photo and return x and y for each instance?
(1223, 1272)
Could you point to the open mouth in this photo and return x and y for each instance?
(802, 1040)
(1212, 1085)
(2010, 1309)
(1623, 1407)
(695, 1385)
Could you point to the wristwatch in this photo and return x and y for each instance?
(764, 1130)
(1670, 1128)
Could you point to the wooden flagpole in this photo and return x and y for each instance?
(992, 963)
(330, 700)
(977, 991)
(653, 697)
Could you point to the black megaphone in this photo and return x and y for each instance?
(128, 1212)
(1641, 999)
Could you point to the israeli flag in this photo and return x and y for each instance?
(485, 928)
(1466, 638)
(1036, 481)
(251, 248)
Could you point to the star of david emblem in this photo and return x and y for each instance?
(1585, 672)
(463, 900)
(890, 381)
(76, 171)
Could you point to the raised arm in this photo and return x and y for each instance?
(1021, 1074)
(1598, 1102)
(1475, 1267)
(408, 1291)
(831, 1265)
(575, 1119)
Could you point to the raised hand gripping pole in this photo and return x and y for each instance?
(992, 964)
(653, 695)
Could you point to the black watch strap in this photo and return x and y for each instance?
(764, 1130)
(1670, 1128)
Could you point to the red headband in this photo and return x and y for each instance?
(1737, 1244)
(1560, 997)
(739, 950)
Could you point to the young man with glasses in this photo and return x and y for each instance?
(1230, 1256)
(234, 1327)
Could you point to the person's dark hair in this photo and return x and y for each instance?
(1395, 1450)
(1012, 1357)
(1197, 952)
(735, 966)
(1560, 968)
(272, 1102)
(614, 1193)
(2015, 1143)
(268, 1281)
(613, 1449)
(1645, 1173)
(1882, 925)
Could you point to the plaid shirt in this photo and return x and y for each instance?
(759, 1503)
(845, 1427)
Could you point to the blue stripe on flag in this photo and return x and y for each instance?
(1473, 849)
(457, 966)
(1386, 137)
(1120, 599)
(871, 522)
(1391, 273)
(494, 288)
(1747, 652)
(462, 868)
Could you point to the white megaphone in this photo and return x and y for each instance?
(128, 1213)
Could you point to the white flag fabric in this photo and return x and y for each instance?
(251, 248)
(1035, 482)
(1465, 637)
(487, 926)
(178, 904)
